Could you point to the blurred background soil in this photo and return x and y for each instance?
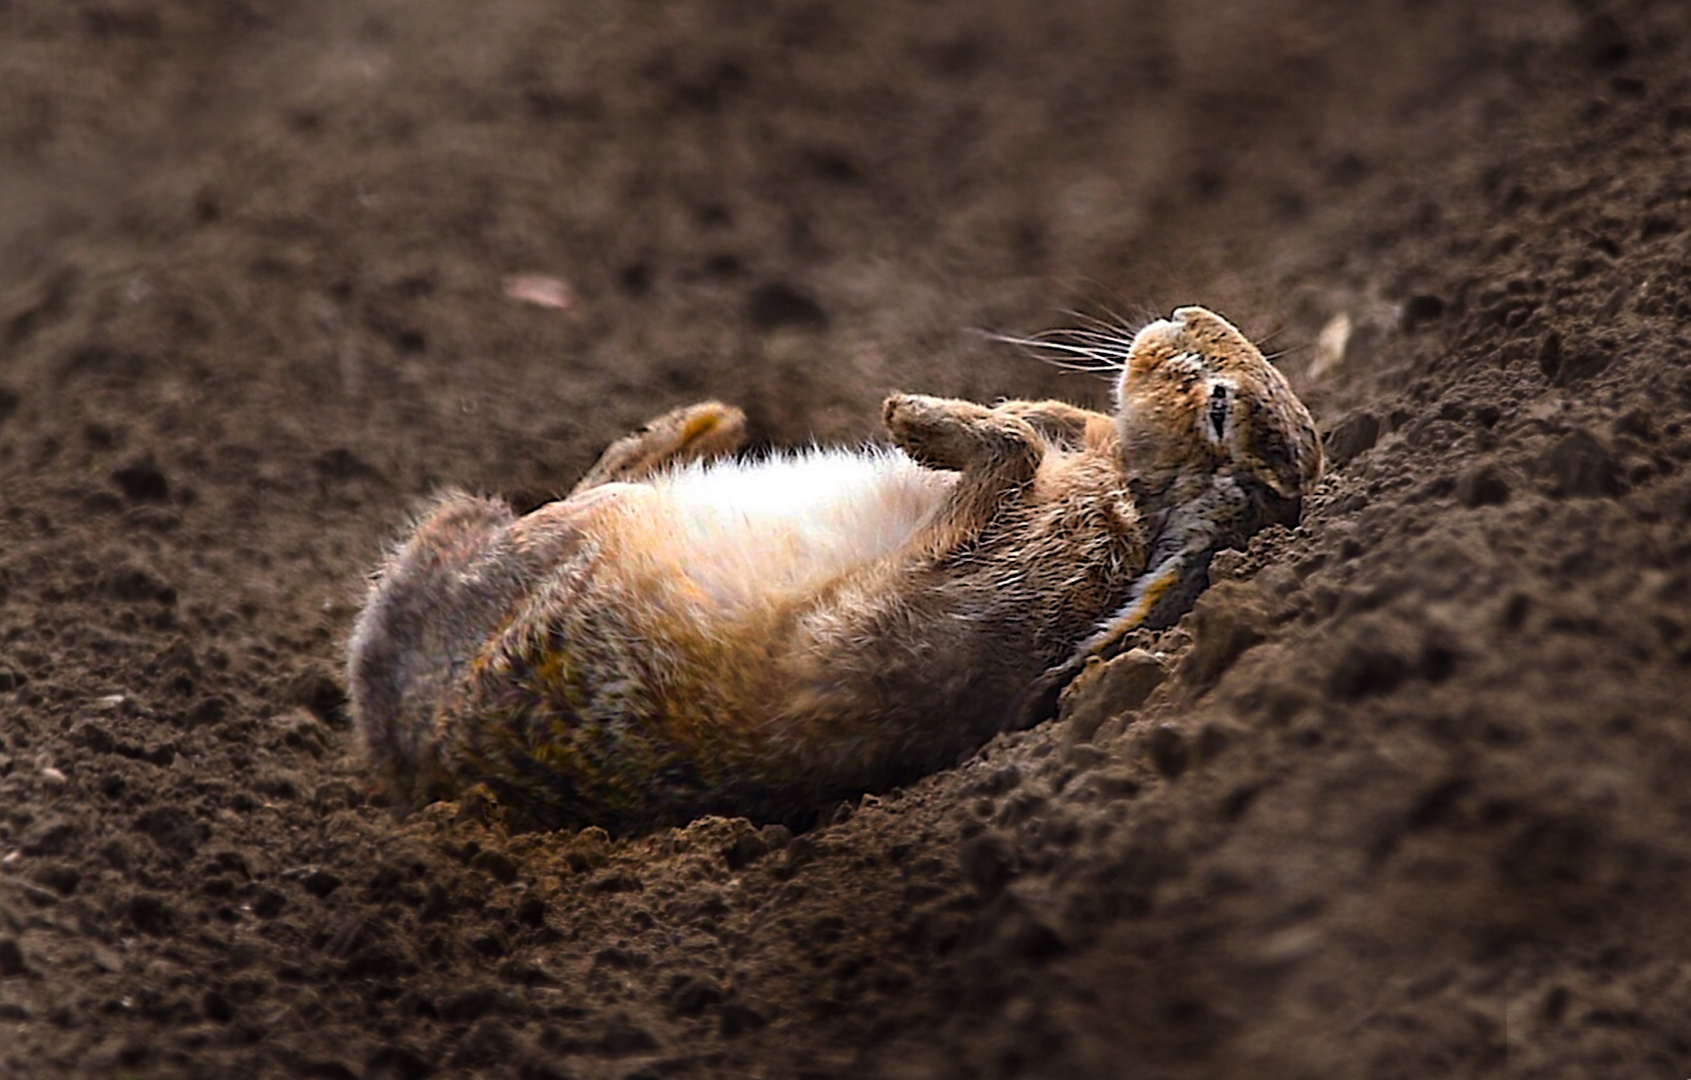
(1405, 796)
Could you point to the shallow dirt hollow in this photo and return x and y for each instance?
(1409, 800)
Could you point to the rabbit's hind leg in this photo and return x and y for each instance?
(698, 432)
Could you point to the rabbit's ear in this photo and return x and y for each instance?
(1282, 449)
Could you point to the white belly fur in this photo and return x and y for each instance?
(747, 533)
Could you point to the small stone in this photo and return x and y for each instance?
(1109, 689)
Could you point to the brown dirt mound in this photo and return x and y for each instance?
(1406, 796)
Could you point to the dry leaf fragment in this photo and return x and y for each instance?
(542, 290)
(1330, 345)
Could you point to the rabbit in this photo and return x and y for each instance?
(691, 633)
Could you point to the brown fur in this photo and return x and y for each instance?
(569, 660)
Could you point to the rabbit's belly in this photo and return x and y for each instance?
(746, 534)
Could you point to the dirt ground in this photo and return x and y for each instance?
(1410, 801)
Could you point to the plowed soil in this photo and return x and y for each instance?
(1410, 799)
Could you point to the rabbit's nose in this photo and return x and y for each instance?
(1162, 332)
(1202, 321)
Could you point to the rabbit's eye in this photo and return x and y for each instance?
(1218, 412)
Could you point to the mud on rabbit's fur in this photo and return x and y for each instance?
(688, 633)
